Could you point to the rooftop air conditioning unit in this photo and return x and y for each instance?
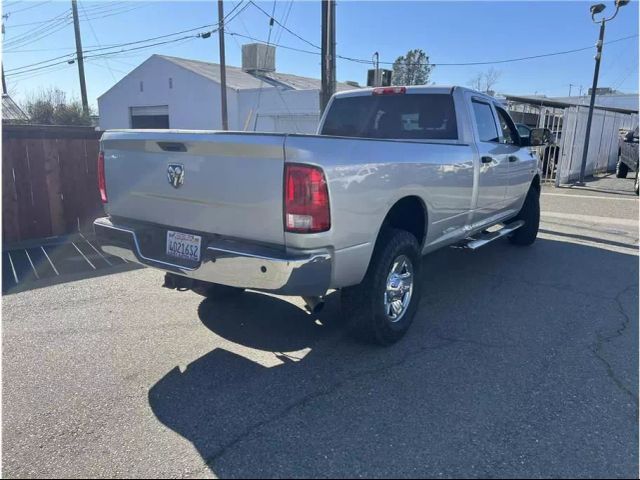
(258, 57)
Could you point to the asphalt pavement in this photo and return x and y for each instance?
(522, 362)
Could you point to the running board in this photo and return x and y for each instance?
(483, 239)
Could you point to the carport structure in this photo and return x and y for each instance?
(560, 162)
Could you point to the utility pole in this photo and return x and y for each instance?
(4, 82)
(595, 9)
(328, 52)
(223, 68)
(587, 133)
(80, 59)
(376, 76)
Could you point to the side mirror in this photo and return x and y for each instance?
(539, 136)
(629, 137)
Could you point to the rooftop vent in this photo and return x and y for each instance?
(258, 57)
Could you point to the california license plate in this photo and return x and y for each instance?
(183, 245)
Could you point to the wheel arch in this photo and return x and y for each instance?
(408, 213)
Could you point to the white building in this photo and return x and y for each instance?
(171, 92)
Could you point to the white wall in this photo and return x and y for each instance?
(286, 111)
(194, 101)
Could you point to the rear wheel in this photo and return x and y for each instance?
(381, 309)
(213, 290)
(530, 214)
(621, 169)
(636, 186)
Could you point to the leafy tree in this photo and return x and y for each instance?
(51, 107)
(485, 81)
(412, 69)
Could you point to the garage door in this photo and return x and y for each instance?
(156, 116)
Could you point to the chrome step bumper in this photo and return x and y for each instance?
(226, 262)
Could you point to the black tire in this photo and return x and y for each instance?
(636, 185)
(363, 305)
(215, 291)
(530, 213)
(621, 169)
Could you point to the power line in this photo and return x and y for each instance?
(17, 25)
(284, 26)
(285, 19)
(265, 59)
(109, 47)
(106, 62)
(368, 61)
(27, 37)
(106, 54)
(249, 37)
(29, 7)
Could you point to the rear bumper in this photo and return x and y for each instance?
(223, 261)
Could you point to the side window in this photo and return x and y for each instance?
(509, 131)
(523, 130)
(485, 121)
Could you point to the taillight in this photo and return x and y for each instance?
(389, 91)
(306, 199)
(102, 183)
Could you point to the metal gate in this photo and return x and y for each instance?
(548, 155)
(603, 142)
(560, 161)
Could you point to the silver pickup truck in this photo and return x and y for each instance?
(393, 173)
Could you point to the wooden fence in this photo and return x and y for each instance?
(49, 181)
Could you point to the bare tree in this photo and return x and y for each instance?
(485, 81)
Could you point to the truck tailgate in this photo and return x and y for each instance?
(232, 183)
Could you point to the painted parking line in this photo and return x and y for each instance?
(592, 219)
(597, 197)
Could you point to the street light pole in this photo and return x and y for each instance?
(595, 9)
(592, 103)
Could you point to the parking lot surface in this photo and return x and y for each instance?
(522, 362)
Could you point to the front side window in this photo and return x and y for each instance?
(509, 131)
(523, 130)
(405, 116)
(486, 122)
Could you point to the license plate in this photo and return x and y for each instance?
(183, 245)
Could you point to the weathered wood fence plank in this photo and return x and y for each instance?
(49, 181)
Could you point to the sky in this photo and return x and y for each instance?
(449, 32)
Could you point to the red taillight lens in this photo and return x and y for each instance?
(389, 90)
(306, 199)
(102, 183)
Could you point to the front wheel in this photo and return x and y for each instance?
(381, 309)
(530, 214)
(636, 185)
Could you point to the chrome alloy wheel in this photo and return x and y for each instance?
(397, 295)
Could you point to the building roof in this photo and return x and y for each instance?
(565, 102)
(11, 112)
(241, 80)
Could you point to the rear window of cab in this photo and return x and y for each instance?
(405, 116)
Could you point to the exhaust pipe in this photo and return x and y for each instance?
(313, 304)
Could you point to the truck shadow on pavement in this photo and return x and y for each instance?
(515, 357)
